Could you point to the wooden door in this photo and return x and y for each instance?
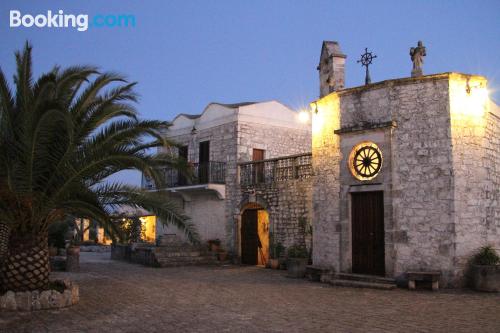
(204, 162)
(249, 237)
(183, 154)
(368, 255)
(258, 174)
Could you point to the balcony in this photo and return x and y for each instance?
(275, 170)
(207, 176)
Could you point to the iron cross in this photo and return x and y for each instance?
(366, 60)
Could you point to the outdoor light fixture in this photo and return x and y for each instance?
(315, 107)
(468, 87)
(194, 131)
(303, 116)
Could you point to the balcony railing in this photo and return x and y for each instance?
(275, 170)
(204, 173)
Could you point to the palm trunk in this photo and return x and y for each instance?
(26, 266)
(4, 241)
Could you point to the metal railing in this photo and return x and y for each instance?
(203, 173)
(276, 169)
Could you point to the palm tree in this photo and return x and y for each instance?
(61, 137)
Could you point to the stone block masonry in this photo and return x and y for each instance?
(439, 138)
(289, 206)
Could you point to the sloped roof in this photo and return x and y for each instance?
(230, 106)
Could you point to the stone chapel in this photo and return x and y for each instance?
(406, 172)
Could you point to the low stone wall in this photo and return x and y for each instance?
(143, 256)
(40, 300)
(120, 252)
(139, 254)
(95, 248)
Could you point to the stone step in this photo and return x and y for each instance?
(361, 284)
(173, 252)
(178, 248)
(364, 278)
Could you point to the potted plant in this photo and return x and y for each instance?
(486, 270)
(297, 261)
(214, 245)
(276, 251)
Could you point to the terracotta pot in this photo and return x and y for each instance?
(274, 263)
(214, 247)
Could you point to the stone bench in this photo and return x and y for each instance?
(423, 276)
(315, 274)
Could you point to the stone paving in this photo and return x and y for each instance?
(121, 297)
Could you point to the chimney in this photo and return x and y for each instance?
(331, 68)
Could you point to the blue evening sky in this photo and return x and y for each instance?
(186, 54)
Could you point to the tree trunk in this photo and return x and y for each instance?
(26, 266)
(4, 242)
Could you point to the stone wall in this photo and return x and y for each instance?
(439, 173)
(222, 142)
(289, 205)
(232, 141)
(41, 299)
(205, 208)
(422, 177)
(491, 190)
(475, 134)
(277, 142)
(326, 183)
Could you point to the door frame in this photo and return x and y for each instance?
(377, 262)
(258, 204)
(242, 235)
(345, 263)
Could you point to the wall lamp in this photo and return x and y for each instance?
(315, 107)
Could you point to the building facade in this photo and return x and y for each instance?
(214, 143)
(407, 176)
(390, 177)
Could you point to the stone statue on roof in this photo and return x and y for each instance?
(417, 57)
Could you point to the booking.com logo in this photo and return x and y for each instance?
(61, 20)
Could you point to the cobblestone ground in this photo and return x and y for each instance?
(121, 297)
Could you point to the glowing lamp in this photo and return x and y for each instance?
(304, 116)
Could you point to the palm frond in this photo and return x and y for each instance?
(63, 135)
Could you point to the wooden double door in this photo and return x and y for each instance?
(368, 246)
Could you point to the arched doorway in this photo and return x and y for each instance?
(254, 235)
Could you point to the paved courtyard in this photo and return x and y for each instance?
(121, 297)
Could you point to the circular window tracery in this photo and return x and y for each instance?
(365, 161)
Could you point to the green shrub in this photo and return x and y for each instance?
(297, 251)
(486, 256)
